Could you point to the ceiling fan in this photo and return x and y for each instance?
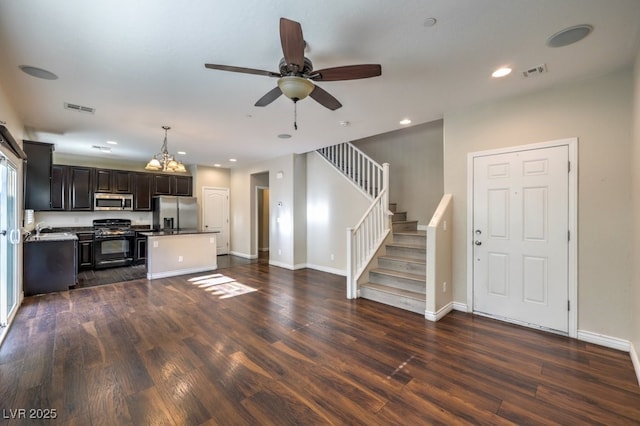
(296, 76)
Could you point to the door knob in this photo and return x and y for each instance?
(478, 243)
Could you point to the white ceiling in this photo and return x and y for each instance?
(140, 64)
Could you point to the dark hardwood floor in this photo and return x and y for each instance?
(294, 352)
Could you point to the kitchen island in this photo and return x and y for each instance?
(50, 263)
(171, 253)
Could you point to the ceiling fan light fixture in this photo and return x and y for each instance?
(295, 88)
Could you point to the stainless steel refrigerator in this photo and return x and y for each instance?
(175, 213)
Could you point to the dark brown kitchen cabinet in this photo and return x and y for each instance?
(163, 184)
(113, 181)
(71, 188)
(81, 188)
(142, 191)
(183, 186)
(59, 187)
(103, 180)
(172, 185)
(140, 256)
(85, 250)
(37, 193)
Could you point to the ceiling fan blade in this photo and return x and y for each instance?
(348, 72)
(292, 44)
(242, 70)
(325, 99)
(271, 96)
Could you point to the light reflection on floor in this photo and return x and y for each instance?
(222, 286)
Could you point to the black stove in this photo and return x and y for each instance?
(108, 228)
(113, 242)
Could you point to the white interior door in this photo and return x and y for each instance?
(521, 233)
(215, 216)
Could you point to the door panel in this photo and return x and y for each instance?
(215, 216)
(520, 222)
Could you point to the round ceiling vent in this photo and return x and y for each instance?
(569, 35)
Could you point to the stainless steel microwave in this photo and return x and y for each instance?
(113, 202)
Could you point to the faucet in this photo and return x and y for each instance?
(40, 226)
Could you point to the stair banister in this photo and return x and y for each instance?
(364, 239)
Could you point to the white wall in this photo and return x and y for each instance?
(635, 160)
(214, 177)
(415, 161)
(332, 206)
(286, 244)
(598, 112)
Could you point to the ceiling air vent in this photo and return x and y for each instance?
(79, 108)
(535, 71)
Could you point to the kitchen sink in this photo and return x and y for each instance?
(53, 236)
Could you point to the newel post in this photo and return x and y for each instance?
(385, 188)
(351, 285)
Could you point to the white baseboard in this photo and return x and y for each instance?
(458, 306)
(635, 360)
(177, 272)
(244, 255)
(335, 271)
(603, 340)
(437, 316)
(281, 264)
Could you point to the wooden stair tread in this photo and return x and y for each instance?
(404, 259)
(405, 245)
(396, 291)
(411, 233)
(399, 274)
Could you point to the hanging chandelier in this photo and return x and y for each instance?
(163, 160)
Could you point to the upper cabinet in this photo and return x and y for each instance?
(142, 191)
(114, 181)
(71, 188)
(163, 184)
(61, 187)
(38, 175)
(166, 184)
(183, 186)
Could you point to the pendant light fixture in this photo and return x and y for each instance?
(164, 161)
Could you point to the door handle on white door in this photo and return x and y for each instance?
(478, 243)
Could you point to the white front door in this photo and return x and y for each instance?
(215, 216)
(520, 236)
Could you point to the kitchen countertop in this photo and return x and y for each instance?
(52, 236)
(160, 233)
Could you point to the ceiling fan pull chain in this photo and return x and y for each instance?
(295, 115)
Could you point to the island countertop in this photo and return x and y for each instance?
(160, 233)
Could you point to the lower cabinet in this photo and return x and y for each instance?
(141, 249)
(85, 250)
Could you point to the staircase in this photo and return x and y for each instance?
(399, 279)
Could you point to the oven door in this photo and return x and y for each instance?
(113, 251)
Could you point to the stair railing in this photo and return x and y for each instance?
(358, 167)
(364, 239)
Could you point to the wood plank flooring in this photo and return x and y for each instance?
(294, 352)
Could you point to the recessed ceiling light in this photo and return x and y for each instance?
(38, 72)
(112, 142)
(569, 35)
(430, 22)
(405, 121)
(217, 165)
(233, 160)
(345, 123)
(501, 72)
(182, 153)
(284, 135)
